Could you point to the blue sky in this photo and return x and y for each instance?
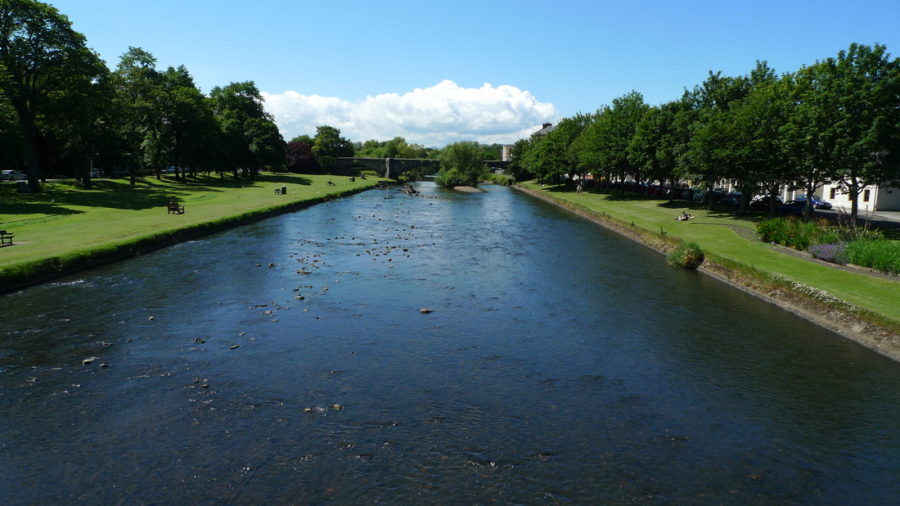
(356, 64)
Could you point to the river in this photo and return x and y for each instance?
(289, 361)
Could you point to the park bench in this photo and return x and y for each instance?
(174, 208)
(5, 237)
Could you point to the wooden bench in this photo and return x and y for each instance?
(6, 237)
(174, 208)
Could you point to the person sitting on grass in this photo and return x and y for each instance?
(684, 216)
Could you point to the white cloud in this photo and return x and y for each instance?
(432, 116)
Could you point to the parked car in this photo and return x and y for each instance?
(761, 203)
(732, 199)
(792, 207)
(95, 172)
(818, 204)
(12, 175)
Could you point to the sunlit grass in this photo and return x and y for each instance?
(64, 220)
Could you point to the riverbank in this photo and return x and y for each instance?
(862, 308)
(66, 229)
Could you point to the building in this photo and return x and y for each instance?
(872, 198)
(546, 128)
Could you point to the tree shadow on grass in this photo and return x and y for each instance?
(111, 193)
(715, 213)
(147, 193)
(10, 208)
(284, 178)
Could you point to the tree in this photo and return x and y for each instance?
(857, 95)
(519, 167)
(137, 99)
(187, 126)
(300, 158)
(41, 54)
(554, 154)
(250, 139)
(462, 164)
(604, 143)
(758, 125)
(711, 155)
(328, 145)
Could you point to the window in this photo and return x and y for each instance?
(866, 196)
(832, 193)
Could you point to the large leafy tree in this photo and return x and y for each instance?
(604, 143)
(462, 164)
(250, 139)
(188, 128)
(857, 95)
(42, 54)
(711, 154)
(554, 153)
(653, 150)
(138, 97)
(755, 148)
(328, 145)
(300, 158)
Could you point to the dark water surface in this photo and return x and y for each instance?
(561, 363)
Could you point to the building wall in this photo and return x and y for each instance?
(871, 198)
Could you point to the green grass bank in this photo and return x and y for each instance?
(862, 307)
(66, 229)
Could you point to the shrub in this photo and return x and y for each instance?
(501, 179)
(451, 177)
(788, 231)
(686, 256)
(462, 164)
(835, 253)
(794, 233)
(882, 255)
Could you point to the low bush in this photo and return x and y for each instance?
(882, 255)
(686, 256)
(453, 177)
(791, 232)
(835, 253)
(501, 179)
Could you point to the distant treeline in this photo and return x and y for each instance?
(63, 112)
(835, 121)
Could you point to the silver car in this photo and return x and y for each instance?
(12, 175)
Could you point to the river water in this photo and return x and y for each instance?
(288, 361)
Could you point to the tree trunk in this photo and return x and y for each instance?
(854, 204)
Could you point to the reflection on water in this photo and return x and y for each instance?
(288, 361)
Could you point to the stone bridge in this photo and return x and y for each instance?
(389, 167)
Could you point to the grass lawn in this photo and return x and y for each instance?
(65, 219)
(730, 237)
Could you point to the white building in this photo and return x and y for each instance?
(872, 198)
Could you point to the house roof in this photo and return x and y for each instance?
(548, 127)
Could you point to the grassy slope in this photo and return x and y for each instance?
(64, 219)
(716, 233)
